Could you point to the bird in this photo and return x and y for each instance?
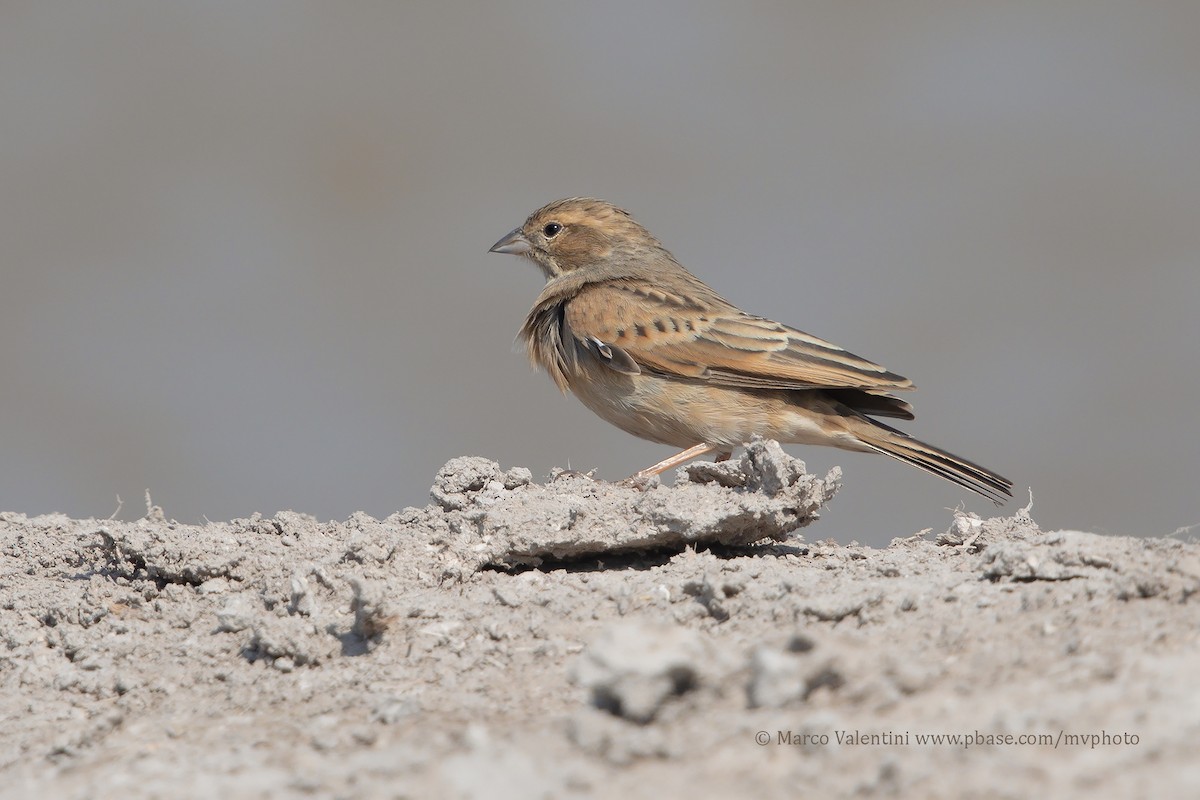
(652, 349)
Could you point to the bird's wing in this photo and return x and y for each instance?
(710, 340)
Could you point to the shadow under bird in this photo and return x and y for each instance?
(652, 349)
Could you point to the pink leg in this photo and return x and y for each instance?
(674, 461)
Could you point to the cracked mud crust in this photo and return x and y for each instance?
(579, 638)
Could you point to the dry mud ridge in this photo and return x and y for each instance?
(586, 639)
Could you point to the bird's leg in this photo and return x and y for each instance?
(674, 461)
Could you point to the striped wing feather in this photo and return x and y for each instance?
(716, 342)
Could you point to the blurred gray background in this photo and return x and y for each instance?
(243, 245)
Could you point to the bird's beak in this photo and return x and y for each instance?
(512, 243)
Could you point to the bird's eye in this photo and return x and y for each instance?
(551, 230)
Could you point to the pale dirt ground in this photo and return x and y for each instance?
(423, 656)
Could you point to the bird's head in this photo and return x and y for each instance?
(578, 233)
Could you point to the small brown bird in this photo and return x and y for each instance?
(652, 349)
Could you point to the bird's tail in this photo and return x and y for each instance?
(901, 446)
